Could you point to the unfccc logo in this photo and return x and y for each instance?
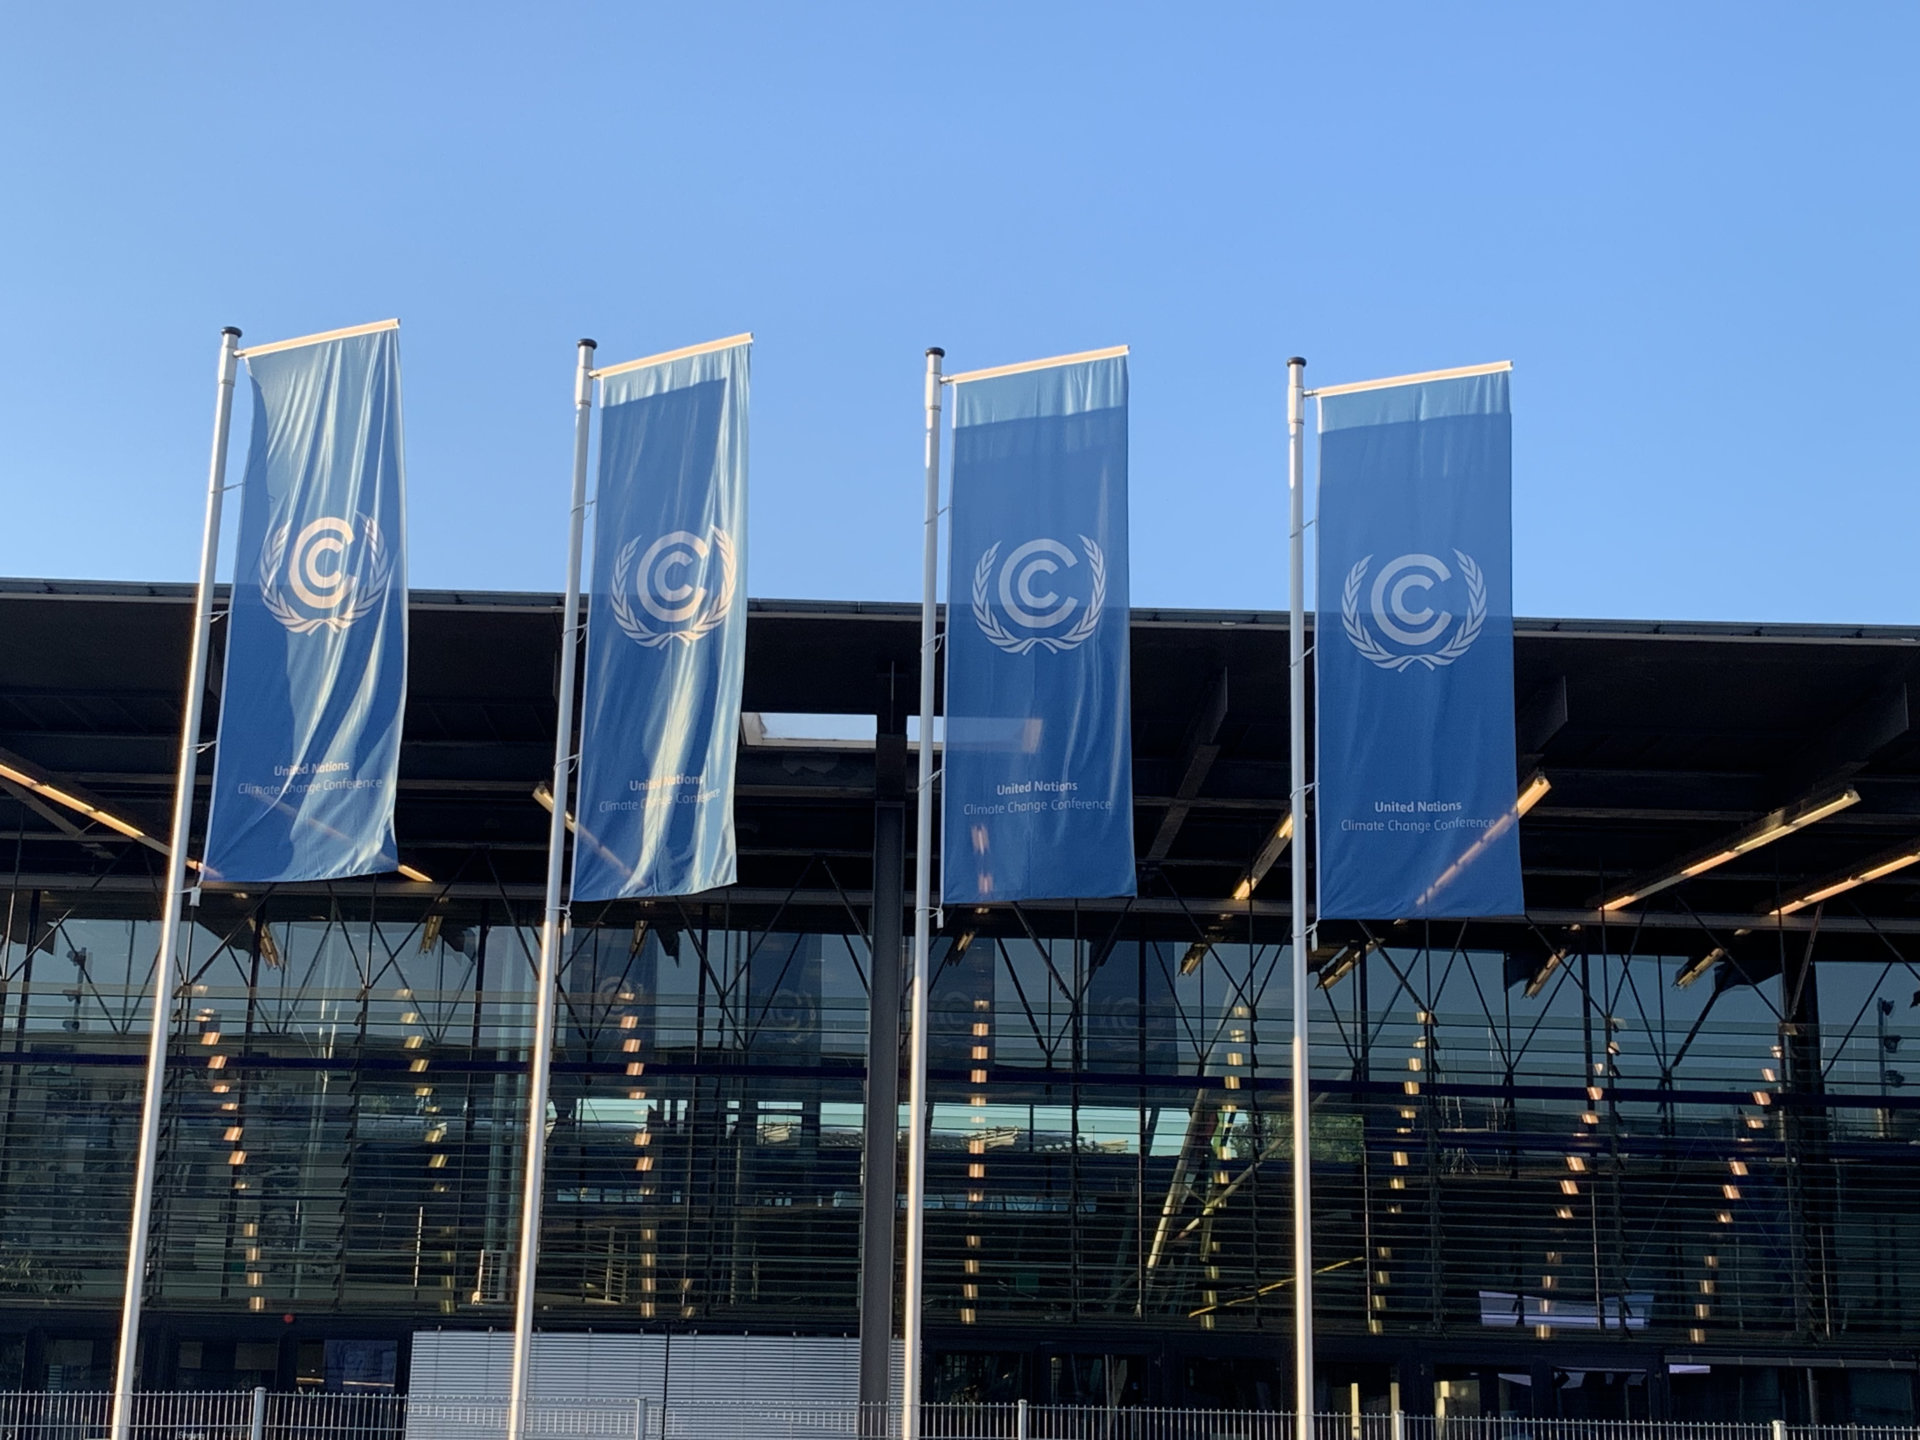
(674, 584)
(1402, 605)
(1052, 621)
(325, 593)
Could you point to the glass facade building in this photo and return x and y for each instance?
(1655, 1162)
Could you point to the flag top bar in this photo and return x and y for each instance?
(1459, 373)
(301, 340)
(1026, 365)
(624, 366)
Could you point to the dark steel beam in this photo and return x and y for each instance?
(1847, 746)
(1198, 750)
(879, 1172)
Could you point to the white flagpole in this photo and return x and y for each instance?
(1297, 808)
(554, 927)
(174, 903)
(922, 928)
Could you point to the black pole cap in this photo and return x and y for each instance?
(1297, 360)
(936, 350)
(233, 330)
(589, 344)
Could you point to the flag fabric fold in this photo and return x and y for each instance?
(1037, 788)
(1413, 655)
(667, 630)
(315, 683)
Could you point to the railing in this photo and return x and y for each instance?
(1482, 1427)
(157, 1415)
(258, 1415)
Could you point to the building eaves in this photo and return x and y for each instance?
(522, 602)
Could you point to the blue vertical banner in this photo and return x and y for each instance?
(667, 631)
(1413, 651)
(1037, 787)
(316, 665)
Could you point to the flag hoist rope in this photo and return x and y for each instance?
(914, 1303)
(1297, 810)
(173, 906)
(553, 927)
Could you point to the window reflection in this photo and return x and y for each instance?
(1110, 1133)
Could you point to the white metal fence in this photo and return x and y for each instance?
(240, 1415)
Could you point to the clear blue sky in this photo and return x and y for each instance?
(1695, 229)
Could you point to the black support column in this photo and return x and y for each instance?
(1804, 1126)
(879, 1183)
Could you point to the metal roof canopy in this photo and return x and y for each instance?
(1658, 738)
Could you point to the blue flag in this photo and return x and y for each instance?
(316, 669)
(667, 632)
(1038, 775)
(1413, 652)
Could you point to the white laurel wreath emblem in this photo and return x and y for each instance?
(1013, 644)
(368, 591)
(1363, 638)
(719, 601)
